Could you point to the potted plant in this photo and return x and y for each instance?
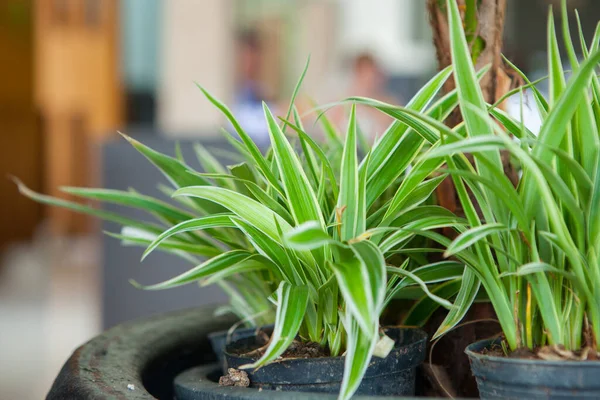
(317, 249)
(533, 248)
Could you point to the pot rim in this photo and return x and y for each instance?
(422, 337)
(130, 354)
(189, 379)
(472, 351)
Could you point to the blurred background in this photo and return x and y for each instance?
(73, 72)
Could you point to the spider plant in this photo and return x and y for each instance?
(328, 245)
(534, 248)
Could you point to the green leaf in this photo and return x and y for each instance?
(207, 268)
(385, 147)
(296, 90)
(252, 211)
(436, 272)
(252, 190)
(132, 199)
(535, 267)
(288, 268)
(373, 261)
(104, 215)
(555, 125)
(210, 164)
(429, 274)
(176, 172)
(542, 104)
(547, 306)
(424, 308)
(251, 264)
(325, 163)
(135, 237)
(468, 238)
(207, 222)
(359, 351)
(308, 153)
(466, 295)
(354, 283)
(414, 278)
(251, 147)
(408, 197)
(301, 198)
(308, 236)
(471, 97)
(407, 149)
(291, 307)
(348, 200)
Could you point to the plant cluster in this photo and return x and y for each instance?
(325, 244)
(319, 241)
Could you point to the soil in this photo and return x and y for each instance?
(305, 350)
(297, 349)
(549, 353)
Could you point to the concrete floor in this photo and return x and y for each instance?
(49, 305)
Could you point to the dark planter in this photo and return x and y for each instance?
(513, 378)
(391, 376)
(218, 340)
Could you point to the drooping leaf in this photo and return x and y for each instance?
(207, 268)
(291, 307)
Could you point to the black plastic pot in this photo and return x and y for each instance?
(514, 378)
(390, 376)
(218, 340)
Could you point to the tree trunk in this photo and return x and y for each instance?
(484, 23)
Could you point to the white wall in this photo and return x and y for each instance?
(197, 39)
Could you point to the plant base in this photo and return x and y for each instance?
(393, 375)
(514, 378)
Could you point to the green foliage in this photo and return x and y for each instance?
(311, 238)
(534, 248)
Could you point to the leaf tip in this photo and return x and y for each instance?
(17, 182)
(136, 284)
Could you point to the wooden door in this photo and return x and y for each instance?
(78, 92)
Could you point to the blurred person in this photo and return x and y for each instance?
(368, 79)
(249, 92)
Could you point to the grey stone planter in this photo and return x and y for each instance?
(139, 359)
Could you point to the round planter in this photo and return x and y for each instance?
(390, 376)
(513, 378)
(139, 359)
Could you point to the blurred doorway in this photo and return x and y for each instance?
(77, 89)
